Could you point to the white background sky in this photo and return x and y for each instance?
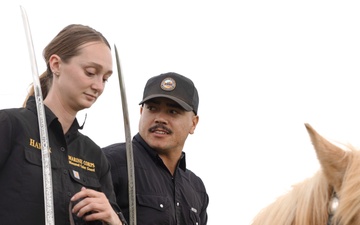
(262, 69)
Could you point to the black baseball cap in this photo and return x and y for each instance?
(175, 87)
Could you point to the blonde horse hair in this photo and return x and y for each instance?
(307, 203)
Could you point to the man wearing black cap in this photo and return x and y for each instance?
(166, 191)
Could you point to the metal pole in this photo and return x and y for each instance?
(129, 149)
(45, 151)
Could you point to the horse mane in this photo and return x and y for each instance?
(307, 202)
(350, 191)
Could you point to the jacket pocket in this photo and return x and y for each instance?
(154, 209)
(84, 179)
(159, 203)
(32, 178)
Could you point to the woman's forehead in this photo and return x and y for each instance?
(96, 53)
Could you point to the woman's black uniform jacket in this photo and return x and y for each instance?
(76, 161)
(162, 199)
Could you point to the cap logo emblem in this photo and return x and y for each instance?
(168, 84)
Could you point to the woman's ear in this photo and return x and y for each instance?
(54, 63)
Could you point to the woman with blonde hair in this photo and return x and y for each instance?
(79, 63)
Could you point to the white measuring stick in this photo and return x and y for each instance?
(45, 151)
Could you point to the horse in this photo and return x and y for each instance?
(330, 197)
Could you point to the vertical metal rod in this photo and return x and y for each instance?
(45, 151)
(129, 149)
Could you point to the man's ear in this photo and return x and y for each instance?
(195, 121)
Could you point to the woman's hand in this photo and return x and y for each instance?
(93, 205)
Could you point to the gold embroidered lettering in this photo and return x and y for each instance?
(34, 144)
(74, 159)
(83, 164)
(90, 166)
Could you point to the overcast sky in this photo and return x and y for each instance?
(262, 69)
